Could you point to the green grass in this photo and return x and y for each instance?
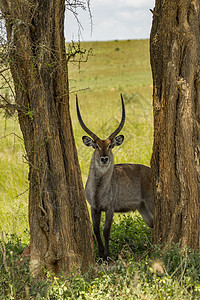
(170, 274)
(115, 67)
(13, 180)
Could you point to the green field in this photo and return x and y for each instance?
(113, 68)
(139, 270)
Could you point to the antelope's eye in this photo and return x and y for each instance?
(110, 146)
(97, 146)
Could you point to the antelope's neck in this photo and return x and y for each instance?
(99, 184)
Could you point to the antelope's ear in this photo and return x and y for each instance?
(88, 141)
(118, 140)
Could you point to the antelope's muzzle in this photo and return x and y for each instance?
(104, 160)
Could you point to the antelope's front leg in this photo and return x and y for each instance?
(96, 219)
(106, 233)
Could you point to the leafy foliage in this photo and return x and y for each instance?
(140, 272)
(129, 236)
(15, 279)
(181, 263)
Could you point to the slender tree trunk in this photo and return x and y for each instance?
(59, 221)
(175, 62)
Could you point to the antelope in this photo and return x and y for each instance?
(114, 187)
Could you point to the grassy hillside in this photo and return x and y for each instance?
(113, 68)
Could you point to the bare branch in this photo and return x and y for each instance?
(75, 49)
(19, 195)
(12, 133)
(8, 83)
(4, 70)
(90, 15)
(72, 6)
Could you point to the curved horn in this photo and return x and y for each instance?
(119, 128)
(87, 130)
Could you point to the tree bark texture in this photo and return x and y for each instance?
(175, 163)
(59, 221)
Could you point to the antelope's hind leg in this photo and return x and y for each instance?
(146, 214)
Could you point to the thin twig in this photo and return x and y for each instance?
(12, 133)
(8, 83)
(4, 70)
(19, 195)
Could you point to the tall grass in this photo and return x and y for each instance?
(13, 179)
(138, 270)
(114, 68)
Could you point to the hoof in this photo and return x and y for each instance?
(105, 260)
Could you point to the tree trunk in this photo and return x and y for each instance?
(175, 61)
(59, 221)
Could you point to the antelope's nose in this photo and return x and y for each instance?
(104, 159)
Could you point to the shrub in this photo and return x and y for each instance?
(15, 279)
(165, 274)
(129, 236)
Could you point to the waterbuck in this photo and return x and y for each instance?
(114, 187)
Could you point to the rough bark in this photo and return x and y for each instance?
(59, 222)
(175, 62)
